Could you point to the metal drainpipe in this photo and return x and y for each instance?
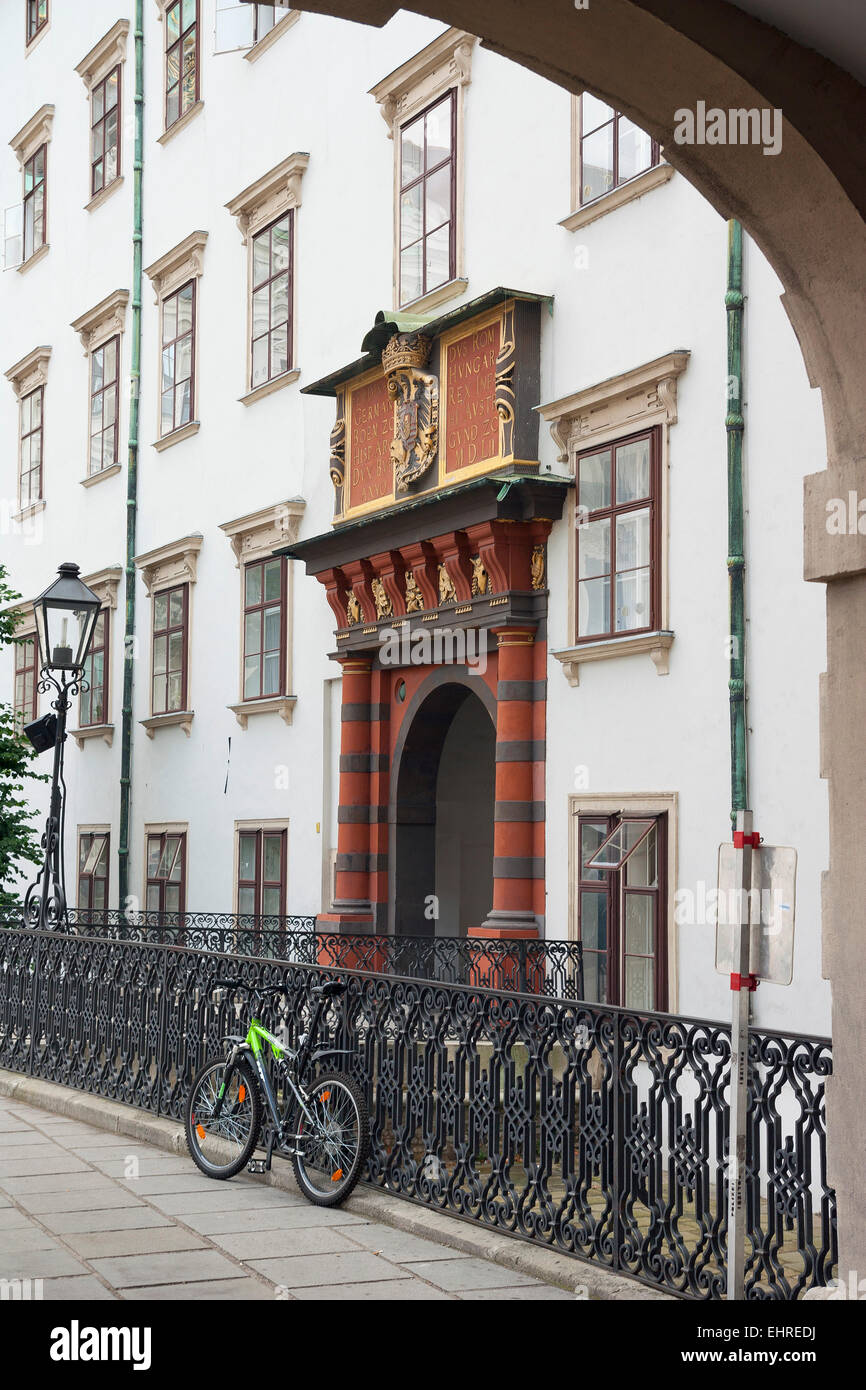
(132, 469)
(735, 425)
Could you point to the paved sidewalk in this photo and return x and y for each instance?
(96, 1215)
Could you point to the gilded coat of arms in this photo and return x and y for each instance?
(416, 395)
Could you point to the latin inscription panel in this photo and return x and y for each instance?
(471, 421)
(371, 432)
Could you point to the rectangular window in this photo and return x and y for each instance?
(262, 873)
(181, 59)
(104, 373)
(272, 300)
(37, 17)
(618, 520)
(93, 701)
(34, 201)
(242, 25)
(264, 629)
(105, 132)
(621, 913)
(612, 149)
(93, 862)
(265, 19)
(170, 610)
(178, 357)
(30, 476)
(428, 199)
(166, 872)
(25, 680)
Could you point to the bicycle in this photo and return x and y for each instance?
(324, 1127)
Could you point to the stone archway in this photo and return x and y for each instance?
(805, 209)
(442, 816)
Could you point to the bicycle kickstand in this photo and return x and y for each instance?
(263, 1165)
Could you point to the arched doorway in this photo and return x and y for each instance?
(442, 816)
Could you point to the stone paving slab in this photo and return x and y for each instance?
(89, 1232)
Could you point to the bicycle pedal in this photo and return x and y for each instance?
(257, 1165)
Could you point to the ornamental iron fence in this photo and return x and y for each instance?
(552, 968)
(596, 1131)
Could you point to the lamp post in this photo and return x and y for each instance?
(66, 616)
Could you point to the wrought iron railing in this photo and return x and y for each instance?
(553, 968)
(595, 1131)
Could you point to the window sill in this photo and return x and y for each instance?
(110, 472)
(181, 123)
(104, 731)
(618, 197)
(267, 388)
(183, 717)
(269, 39)
(434, 298)
(185, 432)
(104, 193)
(30, 44)
(37, 256)
(658, 644)
(31, 509)
(283, 705)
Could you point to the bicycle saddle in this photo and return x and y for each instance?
(329, 989)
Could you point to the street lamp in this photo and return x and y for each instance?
(65, 619)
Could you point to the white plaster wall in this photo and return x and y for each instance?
(655, 281)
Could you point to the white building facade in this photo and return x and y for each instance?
(300, 175)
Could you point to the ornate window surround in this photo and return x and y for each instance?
(255, 537)
(267, 41)
(107, 54)
(26, 376)
(168, 132)
(105, 320)
(598, 415)
(444, 63)
(262, 202)
(617, 197)
(172, 270)
(30, 137)
(26, 627)
(165, 568)
(629, 803)
(104, 583)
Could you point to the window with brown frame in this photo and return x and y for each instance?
(104, 374)
(618, 537)
(264, 629)
(93, 701)
(622, 923)
(37, 17)
(428, 198)
(178, 359)
(170, 612)
(272, 300)
(35, 201)
(166, 872)
(181, 59)
(613, 150)
(105, 132)
(26, 694)
(30, 471)
(93, 861)
(262, 872)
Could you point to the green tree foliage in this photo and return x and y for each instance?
(19, 837)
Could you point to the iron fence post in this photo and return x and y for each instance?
(34, 1011)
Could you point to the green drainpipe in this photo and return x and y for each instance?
(734, 424)
(132, 469)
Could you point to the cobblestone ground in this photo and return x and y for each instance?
(94, 1215)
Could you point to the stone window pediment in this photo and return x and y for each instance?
(183, 262)
(105, 55)
(104, 320)
(170, 564)
(30, 373)
(31, 136)
(256, 536)
(269, 196)
(446, 62)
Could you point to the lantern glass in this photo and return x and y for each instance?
(65, 619)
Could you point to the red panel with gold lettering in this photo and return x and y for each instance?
(371, 471)
(472, 424)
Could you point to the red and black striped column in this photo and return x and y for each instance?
(352, 907)
(518, 870)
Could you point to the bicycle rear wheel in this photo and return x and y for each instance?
(335, 1146)
(222, 1146)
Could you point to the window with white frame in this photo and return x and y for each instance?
(93, 866)
(28, 378)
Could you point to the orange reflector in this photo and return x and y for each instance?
(200, 1131)
(242, 1094)
(326, 1095)
(335, 1177)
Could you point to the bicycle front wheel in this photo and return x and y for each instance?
(221, 1146)
(334, 1146)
